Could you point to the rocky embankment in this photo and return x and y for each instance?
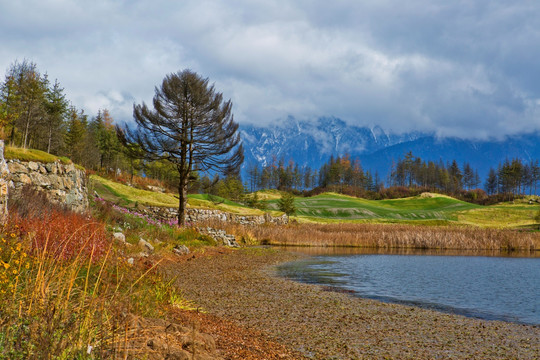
(63, 184)
(195, 216)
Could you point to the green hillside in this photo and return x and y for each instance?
(125, 195)
(429, 209)
(423, 209)
(339, 207)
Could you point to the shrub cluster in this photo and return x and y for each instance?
(65, 290)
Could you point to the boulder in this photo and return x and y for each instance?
(33, 166)
(121, 238)
(181, 250)
(146, 245)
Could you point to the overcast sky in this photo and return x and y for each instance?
(458, 68)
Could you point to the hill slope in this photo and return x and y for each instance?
(429, 209)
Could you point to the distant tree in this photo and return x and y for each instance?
(253, 200)
(76, 135)
(191, 127)
(106, 139)
(491, 182)
(230, 188)
(31, 88)
(468, 176)
(254, 176)
(455, 177)
(9, 105)
(56, 109)
(286, 204)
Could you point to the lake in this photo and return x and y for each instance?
(487, 285)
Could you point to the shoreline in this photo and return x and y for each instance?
(242, 287)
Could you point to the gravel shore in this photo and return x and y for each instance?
(312, 322)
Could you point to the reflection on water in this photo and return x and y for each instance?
(330, 250)
(488, 285)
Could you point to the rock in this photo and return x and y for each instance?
(34, 166)
(4, 185)
(69, 190)
(39, 180)
(121, 238)
(199, 215)
(181, 250)
(51, 168)
(131, 261)
(21, 179)
(146, 245)
(16, 167)
(155, 188)
(220, 236)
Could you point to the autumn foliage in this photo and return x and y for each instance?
(57, 232)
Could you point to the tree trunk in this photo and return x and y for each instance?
(49, 140)
(26, 129)
(182, 195)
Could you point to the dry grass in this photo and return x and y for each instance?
(64, 286)
(12, 152)
(388, 236)
(132, 194)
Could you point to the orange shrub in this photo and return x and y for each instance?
(64, 235)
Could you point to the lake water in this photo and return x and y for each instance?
(488, 287)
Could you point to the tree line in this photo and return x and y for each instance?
(35, 113)
(346, 175)
(188, 130)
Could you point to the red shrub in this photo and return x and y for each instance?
(64, 235)
(60, 233)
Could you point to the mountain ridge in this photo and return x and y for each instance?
(311, 143)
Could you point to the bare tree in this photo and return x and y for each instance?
(190, 126)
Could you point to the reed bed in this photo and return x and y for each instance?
(387, 236)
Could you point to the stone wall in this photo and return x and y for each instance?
(198, 215)
(64, 184)
(4, 181)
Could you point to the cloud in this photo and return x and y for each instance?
(461, 68)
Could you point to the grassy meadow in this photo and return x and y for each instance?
(426, 209)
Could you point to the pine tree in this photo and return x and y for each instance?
(191, 126)
(56, 108)
(492, 181)
(286, 204)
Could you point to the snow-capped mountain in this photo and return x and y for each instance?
(311, 143)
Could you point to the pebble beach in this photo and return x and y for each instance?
(295, 321)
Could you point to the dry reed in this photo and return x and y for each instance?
(386, 236)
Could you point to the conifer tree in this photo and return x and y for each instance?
(286, 204)
(191, 126)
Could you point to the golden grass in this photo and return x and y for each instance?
(53, 308)
(268, 194)
(12, 152)
(239, 210)
(390, 236)
(499, 216)
(132, 194)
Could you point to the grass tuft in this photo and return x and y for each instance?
(32, 155)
